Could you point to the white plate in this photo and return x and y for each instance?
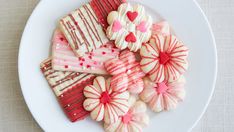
(188, 22)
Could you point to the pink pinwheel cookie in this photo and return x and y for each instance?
(161, 28)
(130, 26)
(68, 88)
(64, 59)
(163, 96)
(134, 121)
(104, 101)
(164, 58)
(127, 65)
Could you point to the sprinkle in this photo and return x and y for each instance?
(74, 114)
(113, 50)
(83, 67)
(66, 66)
(61, 38)
(77, 73)
(88, 66)
(75, 23)
(103, 53)
(81, 64)
(90, 57)
(62, 95)
(68, 105)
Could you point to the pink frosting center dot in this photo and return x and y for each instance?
(163, 58)
(127, 118)
(105, 98)
(162, 88)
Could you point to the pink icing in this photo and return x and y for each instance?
(64, 55)
(116, 26)
(127, 118)
(142, 27)
(162, 88)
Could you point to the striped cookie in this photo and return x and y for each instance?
(64, 59)
(68, 88)
(82, 30)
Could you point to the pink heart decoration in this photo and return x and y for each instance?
(116, 26)
(142, 27)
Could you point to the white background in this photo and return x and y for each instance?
(14, 115)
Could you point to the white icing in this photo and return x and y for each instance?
(129, 26)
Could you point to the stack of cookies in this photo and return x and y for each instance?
(110, 61)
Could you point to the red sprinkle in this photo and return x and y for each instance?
(83, 59)
(81, 64)
(113, 50)
(103, 53)
(66, 66)
(80, 58)
(61, 38)
(88, 66)
(90, 57)
(76, 23)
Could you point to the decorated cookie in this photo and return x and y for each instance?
(164, 58)
(133, 121)
(161, 28)
(163, 96)
(129, 26)
(105, 101)
(63, 58)
(83, 30)
(103, 7)
(68, 87)
(127, 64)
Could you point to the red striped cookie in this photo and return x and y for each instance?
(84, 27)
(164, 58)
(68, 87)
(127, 65)
(103, 7)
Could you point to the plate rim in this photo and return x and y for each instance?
(198, 118)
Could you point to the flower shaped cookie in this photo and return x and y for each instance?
(129, 26)
(104, 101)
(127, 66)
(164, 58)
(163, 96)
(133, 121)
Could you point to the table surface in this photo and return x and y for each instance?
(15, 116)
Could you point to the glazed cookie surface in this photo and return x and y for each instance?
(68, 88)
(134, 121)
(83, 30)
(126, 65)
(164, 58)
(129, 26)
(63, 58)
(163, 96)
(105, 102)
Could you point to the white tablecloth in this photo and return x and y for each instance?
(15, 116)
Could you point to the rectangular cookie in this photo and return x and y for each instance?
(83, 30)
(103, 7)
(63, 58)
(68, 88)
